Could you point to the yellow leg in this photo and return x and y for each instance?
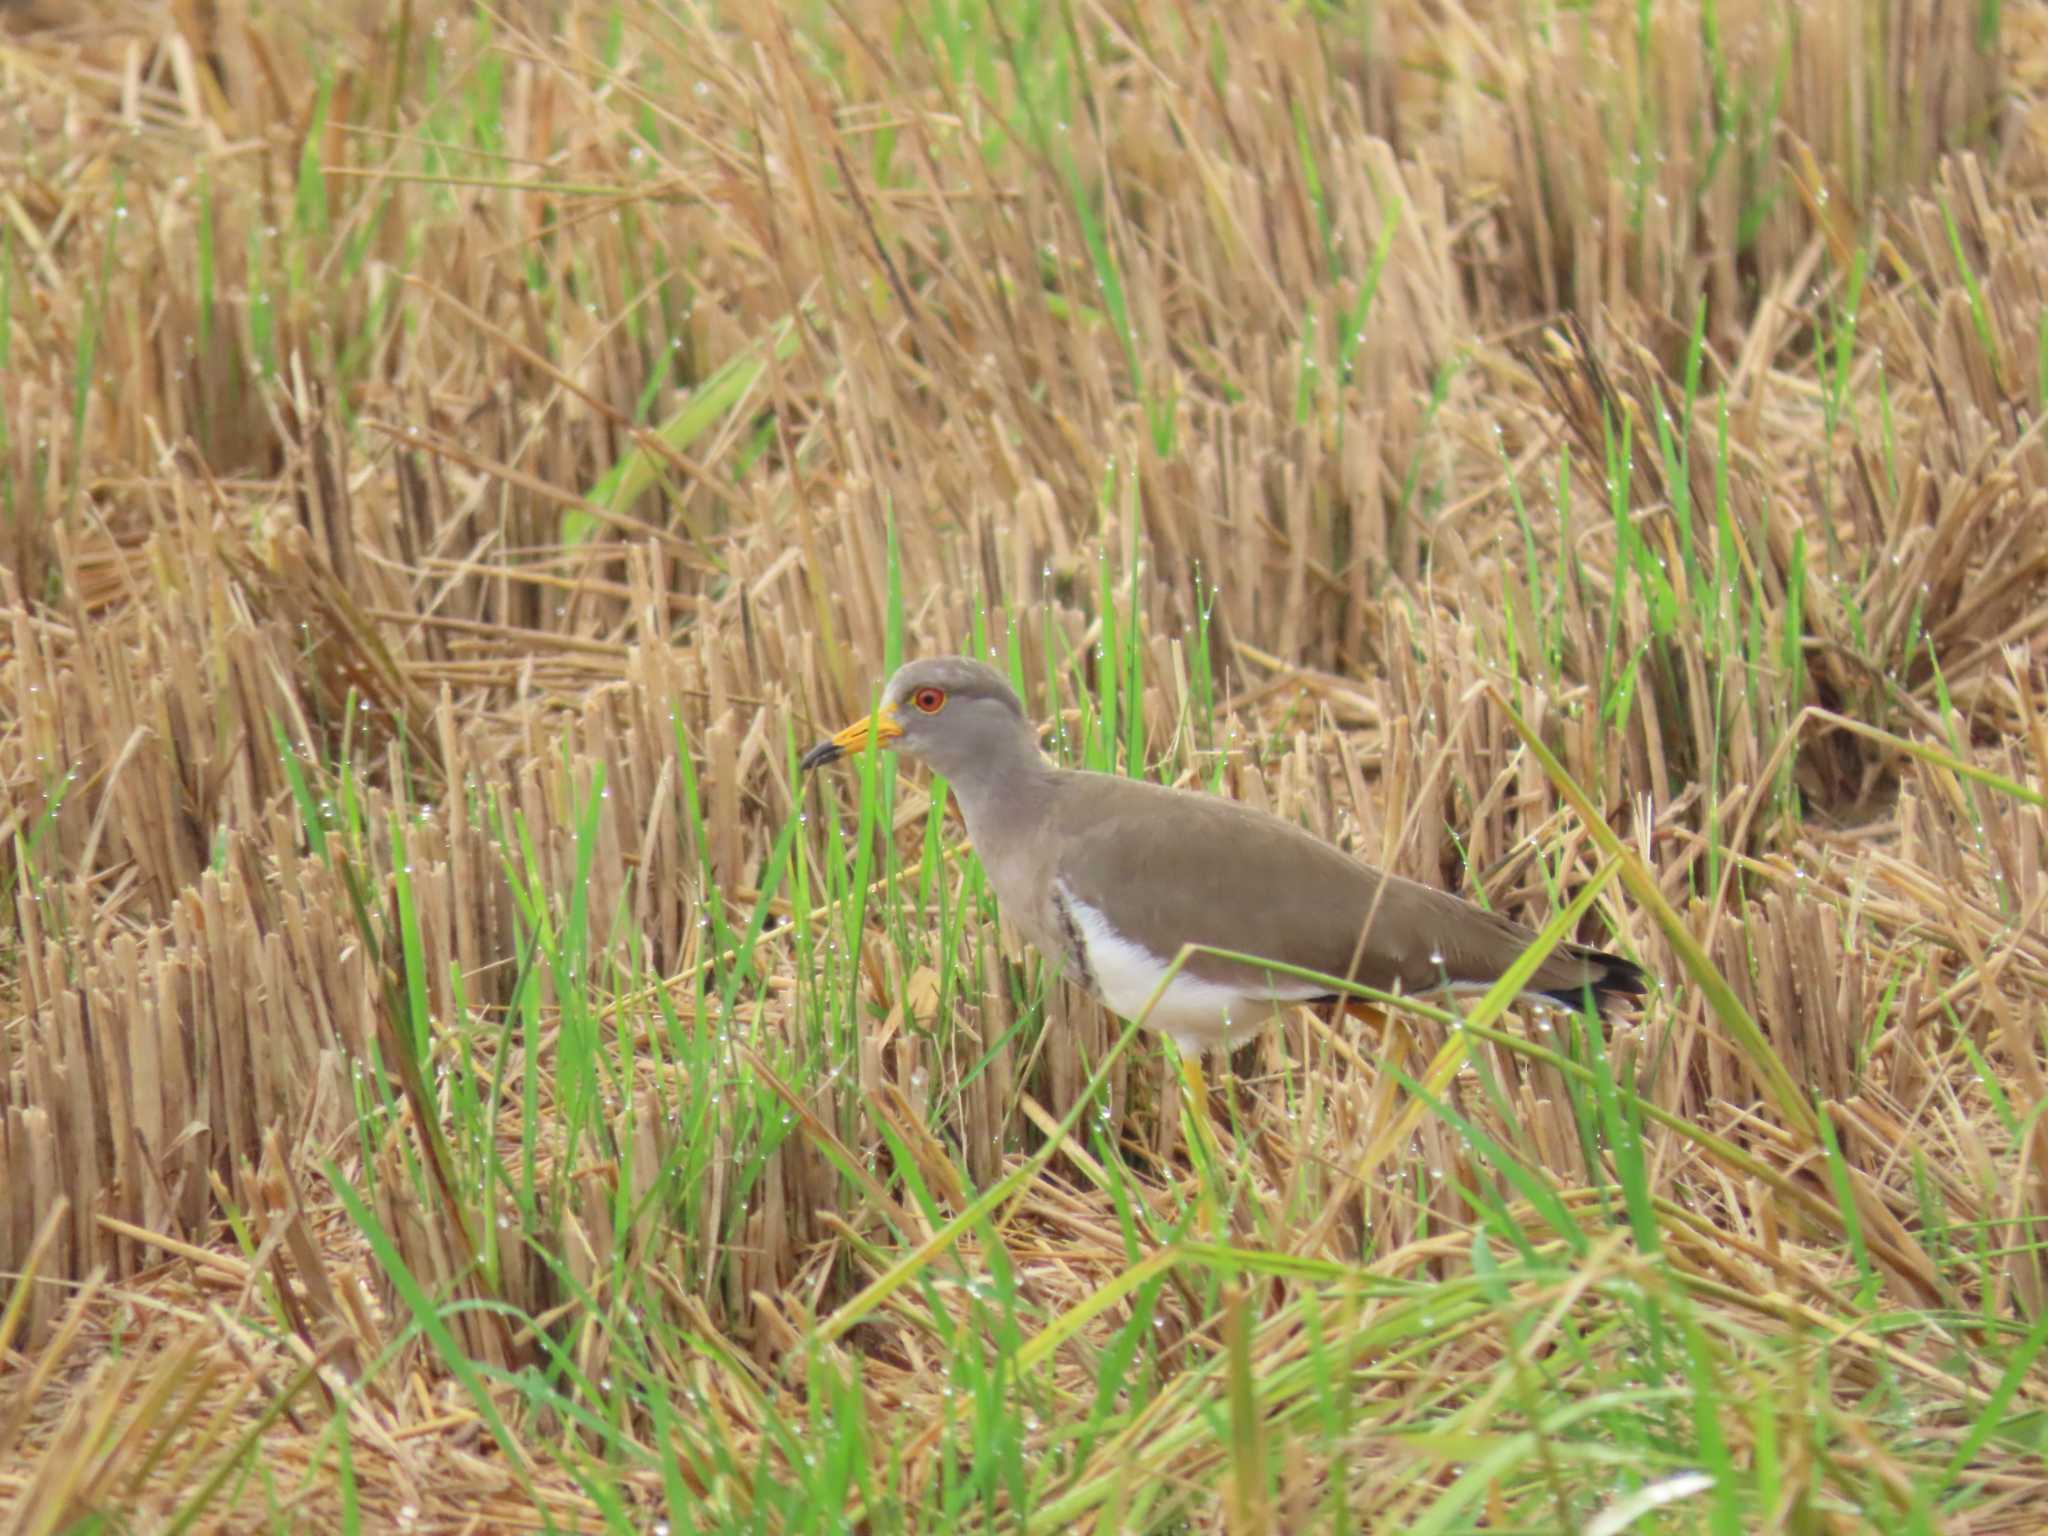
(1201, 1136)
(1195, 1092)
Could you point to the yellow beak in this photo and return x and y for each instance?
(880, 726)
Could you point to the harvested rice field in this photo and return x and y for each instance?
(459, 1073)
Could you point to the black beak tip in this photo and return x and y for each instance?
(824, 752)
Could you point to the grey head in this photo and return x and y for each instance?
(959, 715)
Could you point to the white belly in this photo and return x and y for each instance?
(1195, 1013)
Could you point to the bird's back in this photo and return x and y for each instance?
(1222, 875)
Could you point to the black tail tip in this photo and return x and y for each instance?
(1618, 979)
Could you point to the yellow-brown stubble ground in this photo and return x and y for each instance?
(509, 435)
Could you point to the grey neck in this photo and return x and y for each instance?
(1002, 791)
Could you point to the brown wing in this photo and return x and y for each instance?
(1219, 874)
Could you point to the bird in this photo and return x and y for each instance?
(1114, 878)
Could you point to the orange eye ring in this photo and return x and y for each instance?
(929, 701)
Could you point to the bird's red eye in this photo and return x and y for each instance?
(929, 701)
